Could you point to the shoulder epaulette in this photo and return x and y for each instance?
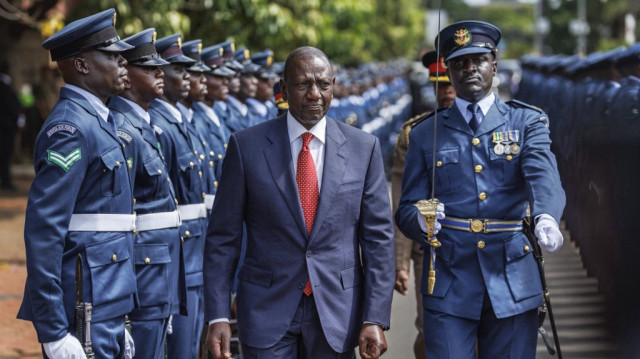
(410, 123)
(516, 103)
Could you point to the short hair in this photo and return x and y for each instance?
(304, 52)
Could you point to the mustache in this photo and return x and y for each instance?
(470, 77)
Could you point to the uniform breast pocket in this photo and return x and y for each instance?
(114, 173)
(152, 273)
(505, 169)
(521, 269)
(189, 171)
(155, 171)
(112, 276)
(448, 171)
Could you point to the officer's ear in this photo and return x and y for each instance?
(81, 65)
(283, 89)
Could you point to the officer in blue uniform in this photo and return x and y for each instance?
(159, 274)
(184, 171)
(248, 85)
(223, 108)
(491, 160)
(217, 91)
(262, 105)
(79, 219)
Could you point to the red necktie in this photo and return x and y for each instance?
(307, 180)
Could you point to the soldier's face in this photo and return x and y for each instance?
(248, 85)
(108, 71)
(445, 95)
(197, 86)
(147, 82)
(217, 88)
(234, 84)
(472, 75)
(176, 82)
(264, 91)
(308, 88)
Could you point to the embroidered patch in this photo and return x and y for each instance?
(125, 136)
(130, 162)
(159, 146)
(61, 127)
(65, 162)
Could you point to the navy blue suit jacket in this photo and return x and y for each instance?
(348, 256)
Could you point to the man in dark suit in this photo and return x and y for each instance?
(318, 275)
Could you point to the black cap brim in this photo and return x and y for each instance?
(467, 51)
(156, 61)
(181, 60)
(222, 71)
(118, 46)
(199, 67)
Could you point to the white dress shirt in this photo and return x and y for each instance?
(316, 146)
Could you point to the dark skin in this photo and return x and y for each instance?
(472, 75)
(176, 83)
(197, 88)
(234, 84)
(143, 85)
(264, 91)
(248, 87)
(98, 72)
(217, 89)
(308, 87)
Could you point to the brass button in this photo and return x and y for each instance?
(159, 171)
(204, 195)
(168, 179)
(225, 146)
(181, 239)
(481, 244)
(114, 257)
(210, 163)
(117, 163)
(187, 234)
(134, 201)
(191, 164)
(129, 165)
(135, 231)
(200, 173)
(219, 156)
(527, 249)
(211, 153)
(176, 201)
(196, 153)
(215, 184)
(475, 142)
(147, 260)
(476, 226)
(478, 168)
(482, 196)
(204, 143)
(509, 157)
(439, 164)
(202, 157)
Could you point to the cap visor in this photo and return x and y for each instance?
(199, 67)
(266, 74)
(181, 59)
(467, 51)
(151, 62)
(118, 46)
(223, 71)
(250, 68)
(234, 65)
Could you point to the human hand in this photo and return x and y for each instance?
(402, 281)
(372, 342)
(129, 346)
(548, 233)
(437, 226)
(66, 348)
(219, 340)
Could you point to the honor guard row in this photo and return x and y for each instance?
(595, 100)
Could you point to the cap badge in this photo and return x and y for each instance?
(246, 54)
(462, 36)
(221, 51)
(269, 60)
(153, 37)
(199, 47)
(114, 19)
(180, 42)
(233, 47)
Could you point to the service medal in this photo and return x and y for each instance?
(498, 149)
(507, 150)
(515, 149)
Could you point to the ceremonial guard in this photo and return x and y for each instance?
(79, 220)
(158, 264)
(223, 108)
(217, 91)
(184, 171)
(261, 105)
(491, 160)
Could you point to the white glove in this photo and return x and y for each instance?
(169, 325)
(548, 233)
(437, 226)
(66, 348)
(129, 346)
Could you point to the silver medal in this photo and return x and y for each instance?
(515, 149)
(498, 149)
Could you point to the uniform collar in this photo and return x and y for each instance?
(94, 101)
(138, 110)
(171, 108)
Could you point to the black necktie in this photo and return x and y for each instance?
(473, 123)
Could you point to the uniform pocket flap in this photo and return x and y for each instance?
(111, 158)
(516, 248)
(191, 229)
(107, 252)
(186, 161)
(154, 166)
(351, 277)
(443, 157)
(257, 276)
(151, 254)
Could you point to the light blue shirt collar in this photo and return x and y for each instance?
(186, 112)
(94, 101)
(484, 104)
(171, 108)
(138, 110)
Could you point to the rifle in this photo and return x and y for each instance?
(83, 313)
(542, 312)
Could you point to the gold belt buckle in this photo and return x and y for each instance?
(476, 226)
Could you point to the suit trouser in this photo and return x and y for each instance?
(304, 338)
(149, 337)
(418, 345)
(451, 337)
(184, 340)
(107, 338)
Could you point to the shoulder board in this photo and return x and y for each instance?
(520, 104)
(415, 120)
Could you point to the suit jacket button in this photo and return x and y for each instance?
(482, 196)
(481, 244)
(309, 254)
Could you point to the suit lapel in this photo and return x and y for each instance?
(279, 160)
(493, 119)
(335, 159)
